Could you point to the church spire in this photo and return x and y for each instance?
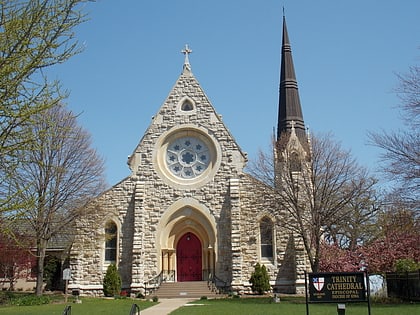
(290, 112)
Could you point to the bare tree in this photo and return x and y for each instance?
(34, 35)
(59, 175)
(360, 226)
(315, 192)
(401, 149)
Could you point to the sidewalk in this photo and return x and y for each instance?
(165, 306)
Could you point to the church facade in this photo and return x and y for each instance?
(189, 211)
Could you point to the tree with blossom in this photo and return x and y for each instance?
(16, 259)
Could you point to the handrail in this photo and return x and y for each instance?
(213, 282)
(67, 310)
(135, 310)
(155, 282)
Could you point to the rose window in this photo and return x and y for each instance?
(187, 157)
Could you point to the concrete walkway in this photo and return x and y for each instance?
(165, 306)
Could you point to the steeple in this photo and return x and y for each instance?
(290, 111)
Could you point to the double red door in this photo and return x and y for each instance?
(188, 258)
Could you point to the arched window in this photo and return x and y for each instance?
(111, 233)
(187, 106)
(266, 237)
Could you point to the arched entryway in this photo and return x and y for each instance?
(185, 216)
(189, 258)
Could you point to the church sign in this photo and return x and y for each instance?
(337, 287)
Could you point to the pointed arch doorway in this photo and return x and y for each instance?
(189, 258)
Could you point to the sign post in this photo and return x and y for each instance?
(66, 278)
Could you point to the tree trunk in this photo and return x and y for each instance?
(41, 248)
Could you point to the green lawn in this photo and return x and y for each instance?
(89, 306)
(240, 306)
(251, 306)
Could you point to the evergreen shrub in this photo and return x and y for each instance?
(112, 281)
(259, 279)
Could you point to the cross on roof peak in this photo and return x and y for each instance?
(186, 51)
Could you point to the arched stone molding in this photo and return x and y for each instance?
(183, 109)
(177, 132)
(114, 219)
(270, 263)
(183, 216)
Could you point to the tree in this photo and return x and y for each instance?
(394, 246)
(360, 227)
(260, 282)
(318, 194)
(34, 35)
(400, 157)
(16, 259)
(333, 258)
(60, 173)
(112, 281)
(398, 238)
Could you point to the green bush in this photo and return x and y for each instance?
(28, 300)
(112, 281)
(155, 299)
(406, 265)
(259, 279)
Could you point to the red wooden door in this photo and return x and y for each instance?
(188, 258)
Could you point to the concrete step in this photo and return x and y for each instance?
(188, 289)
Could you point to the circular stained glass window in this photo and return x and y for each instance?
(187, 157)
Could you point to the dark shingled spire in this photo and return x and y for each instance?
(290, 111)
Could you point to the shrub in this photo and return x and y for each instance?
(155, 299)
(112, 281)
(28, 300)
(406, 265)
(259, 279)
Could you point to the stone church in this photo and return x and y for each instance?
(189, 211)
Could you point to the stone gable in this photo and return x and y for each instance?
(155, 207)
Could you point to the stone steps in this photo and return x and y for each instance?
(188, 289)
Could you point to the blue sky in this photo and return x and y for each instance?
(346, 54)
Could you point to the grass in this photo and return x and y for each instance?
(289, 305)
(292, 306)
(89, 306)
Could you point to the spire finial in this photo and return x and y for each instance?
(292, 124)
(283, 12)
(186, 51)
(187, 67)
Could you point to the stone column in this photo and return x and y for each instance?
(236, 235)
(137, 280)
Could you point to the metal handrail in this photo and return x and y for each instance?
(67, 310)
(213, 282)
(168, 276)
(154, 283)
(135, 310)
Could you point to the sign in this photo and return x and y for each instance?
(337, 287)
(67, 274)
